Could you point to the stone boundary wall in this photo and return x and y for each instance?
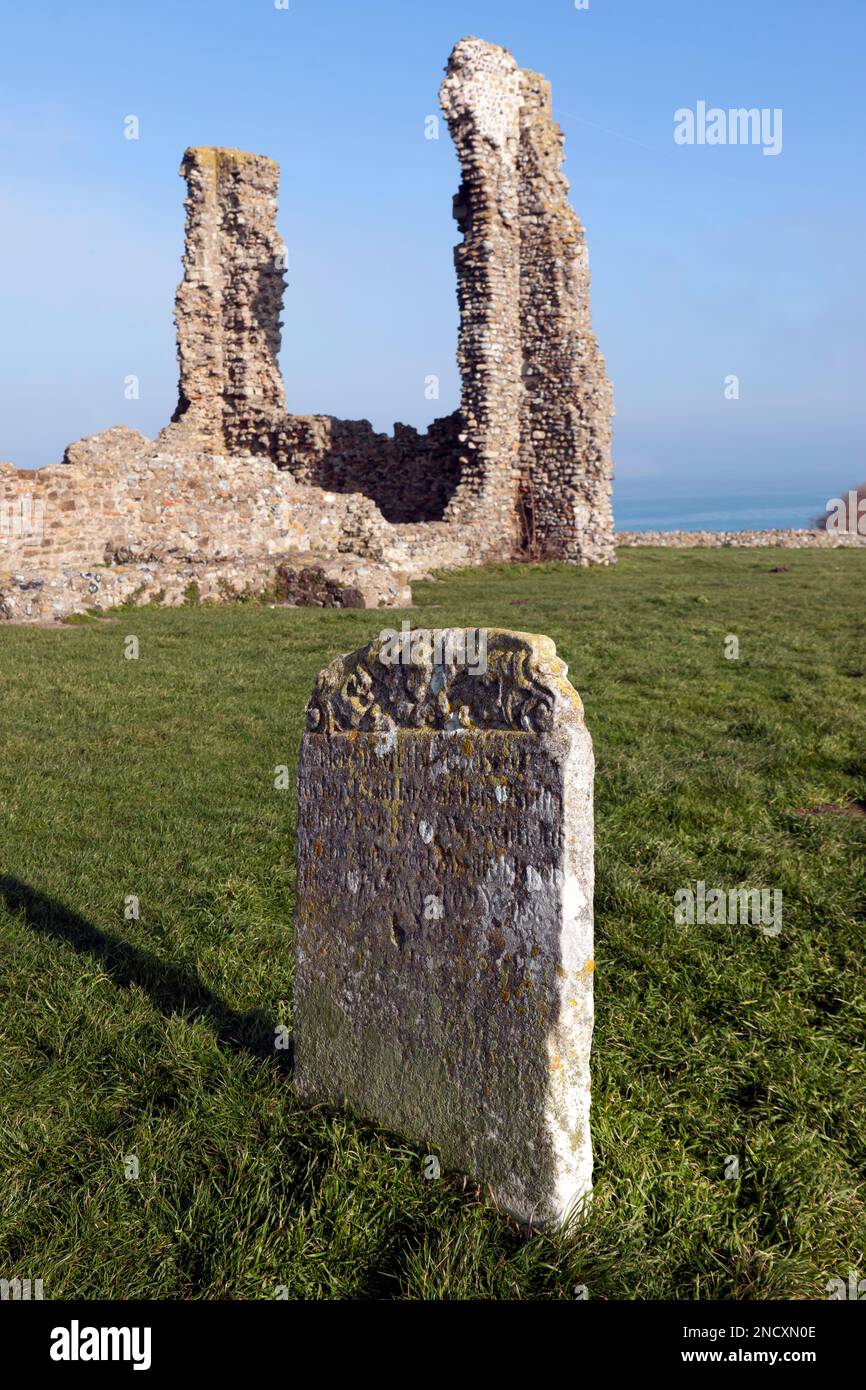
(714, 540)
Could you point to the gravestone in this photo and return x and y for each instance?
(444, 955)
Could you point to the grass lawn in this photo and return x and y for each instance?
(154, 1036)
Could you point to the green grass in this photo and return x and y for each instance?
(154, 1037)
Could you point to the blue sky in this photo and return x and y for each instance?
(706, 261)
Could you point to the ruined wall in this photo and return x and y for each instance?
(480, 97)
(565, 416)
(228, 305)
(409, 475)
(525, 461)
(235, 484)
(536, 400)
(123, 520)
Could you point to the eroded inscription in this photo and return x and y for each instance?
(435, 992)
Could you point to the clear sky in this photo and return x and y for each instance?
(706, 261)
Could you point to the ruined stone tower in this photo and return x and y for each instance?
(236, 493)
(536, 400)
(228, 305)
(525, 462)
(481, 100)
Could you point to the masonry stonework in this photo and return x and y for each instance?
(235, 487)
(228, 305)
(565, 418)
(536, 402)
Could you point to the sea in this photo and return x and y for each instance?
(734, 512)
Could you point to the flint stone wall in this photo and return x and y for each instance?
(536, 402)
(715, 540)
(124, 521)
(443, 936)
(227, 308)
(525, 462)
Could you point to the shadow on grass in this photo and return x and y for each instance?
(172, 989)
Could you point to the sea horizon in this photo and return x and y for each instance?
(732, 512)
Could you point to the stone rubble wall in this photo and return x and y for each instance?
(480, 97)
(525, 461)
(121, 516)
(714, 540)
(296, 580)
(410, 476)
(565, 422)
(536, 401)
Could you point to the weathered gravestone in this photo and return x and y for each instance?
(444, 925)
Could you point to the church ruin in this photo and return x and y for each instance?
(236, 495)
